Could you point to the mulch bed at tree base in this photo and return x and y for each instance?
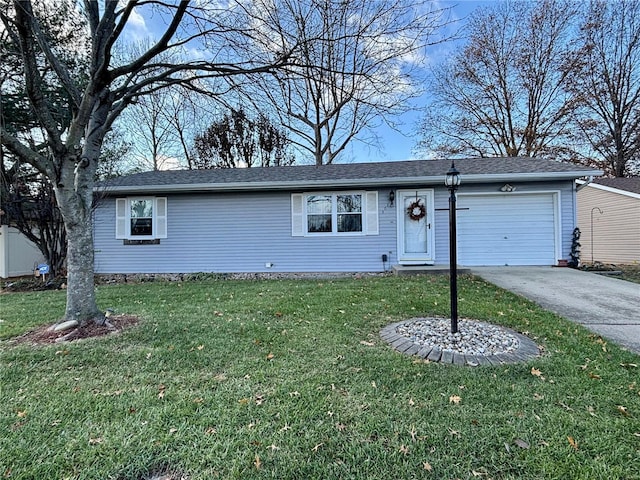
(44, 335)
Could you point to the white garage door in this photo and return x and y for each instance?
(511, 229)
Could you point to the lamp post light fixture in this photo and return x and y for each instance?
(452, 181)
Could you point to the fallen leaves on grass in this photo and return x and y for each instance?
(623, 410)
(573, 442)
(537, 373)
(566, 407)
(257, 463)
(456, 399)
(427, 466)
(521, 443)
(285, 428)
(367, 344)
(600, 341)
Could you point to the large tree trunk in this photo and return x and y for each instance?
(75, 195)
(81, 297)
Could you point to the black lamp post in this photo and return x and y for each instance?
(452, 181)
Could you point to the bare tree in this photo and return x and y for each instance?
(503, 94)
(235, 140)
(188, 114)
(70, 154)
(114, 156)
(356, 70)
(161, 126)
(607, 85)
(151, 132)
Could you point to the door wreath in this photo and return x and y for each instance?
(416, 210)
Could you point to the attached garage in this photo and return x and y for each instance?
(509, 229)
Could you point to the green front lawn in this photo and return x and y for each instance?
(289, 379)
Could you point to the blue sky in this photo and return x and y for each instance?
(395, 145)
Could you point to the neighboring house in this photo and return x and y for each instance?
(342, 217)
(609, 220)
(18, 255)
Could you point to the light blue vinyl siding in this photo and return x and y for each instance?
(238, 232)
(243, 231)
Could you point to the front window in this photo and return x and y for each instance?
(141, 217)
(334, 213)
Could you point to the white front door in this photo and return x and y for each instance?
(415, 227)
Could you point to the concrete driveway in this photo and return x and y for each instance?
(607, 306)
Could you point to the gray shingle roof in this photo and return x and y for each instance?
(408, 172)
(630, 184)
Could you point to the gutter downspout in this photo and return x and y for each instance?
(587, 182)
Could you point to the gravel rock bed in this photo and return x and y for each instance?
(473, 337)
(200, 276)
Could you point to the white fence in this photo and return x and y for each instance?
(18, 256)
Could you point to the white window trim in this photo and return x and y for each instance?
(369, 213)
(158, 219)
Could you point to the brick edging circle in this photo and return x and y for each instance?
(527, 349)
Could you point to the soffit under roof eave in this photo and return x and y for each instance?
(342, 183)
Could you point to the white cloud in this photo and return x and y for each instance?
(136, 20)
(137, 28)
(169, 163)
